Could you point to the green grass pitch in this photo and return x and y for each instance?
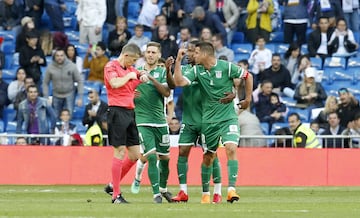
(91, 201)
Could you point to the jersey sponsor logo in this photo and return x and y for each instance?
(165, 139)
(156, 74)
(218, 74)
(233, 128)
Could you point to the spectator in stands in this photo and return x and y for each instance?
(60, 40)
(118, 37)
(22, 95)
(121, 8)
(303, 63)
(36, 115)
(159, 21)
(11, 12)
(303, 136)
(31, 58)
(319, 38)
(97, 62)
(72, 55)
(168, 9)
(331, 105)
(111, 15)
(310, 93)
(241, 5)
(95, 111)
(46, 42)
(282, 142)
(206, 34)
(168, 44)
(148, 13)
(330, 9)
(35, 9)
(258, 22)
(351, 13)
(202, 18)
(315, 127)
(278, 75)
(3, 94)
(185, 8)
(2, 58)
(221, 49)
(21, 141)
(260, 58)
(18, 85)
(291, 58)
(354, 130)
(250, 125)
(342, 42)
(185, 36)
(64, 128)
(91, 15)
(348, 108)
(27, 25)
(334, 128)
(174, 126)
(228, 13)
(55, 10)
(63, 73)
(296, 18)
(139, 39)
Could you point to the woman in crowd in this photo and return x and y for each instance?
(118, 37)
(331, 105)
(17, 85)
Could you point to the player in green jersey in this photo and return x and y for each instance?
(219, 121)
(152, 125)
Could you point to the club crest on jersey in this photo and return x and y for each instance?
(218, 74)
(156, 74)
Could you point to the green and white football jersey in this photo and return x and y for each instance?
(213, 85)
(150, 107)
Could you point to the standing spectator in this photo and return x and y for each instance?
(185, 35)
(18, 85)
(310, 93)
(121, 8)
(91, 15)
(185, 8)
(111, 15)
(303, 136)
(202, 18)
(55, 10)
(220, 49)
(260, 58)
(351, 14)
(354, 130)
(296, 18)
(348, 107)
(36, 115)
(11, 12)
(97, 62)
(64, 128)
(168, 44)
(27, 25)
(62, 73)
(121, 79)
(118, 37)
(331, 105)
(250, 125)
(333, 128)
(319, 38)
(22, 95)
(229, 15)
(139, 39)
(3, 94)
(148, 13)
(31, 57)
(35, 9)
(330, 9)
(258, 22)
(72, 55)
(342, 42)
(278, 75)
(168, 9)
(95, 111)
(206, 34)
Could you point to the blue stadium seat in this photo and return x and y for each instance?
(78, 112)
(73, 36)
(357, 37)
(353, 62)
(133, 9)
(337, 74)
(303, 113)
(8, 35)
(239, 57)
(243, 48)
(89, 85)
(355, 72)
(2, 126)
(276, 126)
(281, 48)
(8, 61)
(8, 47)
(148, 34)
(271, 47)
(304, 49)
(9, 74)
(10, 127)
(104, 98)
(265, 128)
(9, 114)
(277, 37)
(316, 62)
(238, 37)
(80, 128)
(335, 62)
(103, 90)
(81, 48)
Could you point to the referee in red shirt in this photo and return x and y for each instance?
(121, 79)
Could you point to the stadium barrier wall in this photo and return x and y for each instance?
(42, 165)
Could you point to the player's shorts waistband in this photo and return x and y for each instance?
(118, 108)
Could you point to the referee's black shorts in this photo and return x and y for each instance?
(122, 130)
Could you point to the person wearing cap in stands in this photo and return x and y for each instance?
(348, 107)
(309, 92)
